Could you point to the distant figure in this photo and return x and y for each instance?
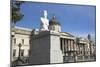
(44, 22)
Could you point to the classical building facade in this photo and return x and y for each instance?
(54, 46)
(20, 36)
(50, 45)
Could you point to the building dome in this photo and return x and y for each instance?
(53, 21)
(54, 25)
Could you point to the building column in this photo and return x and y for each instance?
(68, 45)
(62, 46)
(72, 45)
(65, 45)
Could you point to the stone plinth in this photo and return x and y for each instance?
(45, 48)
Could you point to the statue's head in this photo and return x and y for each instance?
(45, 13)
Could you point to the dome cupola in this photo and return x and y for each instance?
(54, 25)
(53, 21)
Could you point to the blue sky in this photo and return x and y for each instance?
(75, 19)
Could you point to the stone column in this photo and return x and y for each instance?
(63, 45)
(69, 45)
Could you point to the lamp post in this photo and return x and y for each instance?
(19, 51)
(18, 61)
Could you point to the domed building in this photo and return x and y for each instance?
(54, 25)
(49, 45)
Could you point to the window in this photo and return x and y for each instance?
(14, 52)
(29, 41)
(22, 52)
(81, 52)
(14, 40)
(22, 41)
(53, 28)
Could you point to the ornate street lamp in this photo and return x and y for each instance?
(19, 51)
(19, 61)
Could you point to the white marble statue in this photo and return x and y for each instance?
(44, 22)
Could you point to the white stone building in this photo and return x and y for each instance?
(55, 46)
(50, 45)
(20, 36)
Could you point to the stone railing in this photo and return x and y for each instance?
(68, 59)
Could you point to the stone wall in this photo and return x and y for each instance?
(40, 49)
